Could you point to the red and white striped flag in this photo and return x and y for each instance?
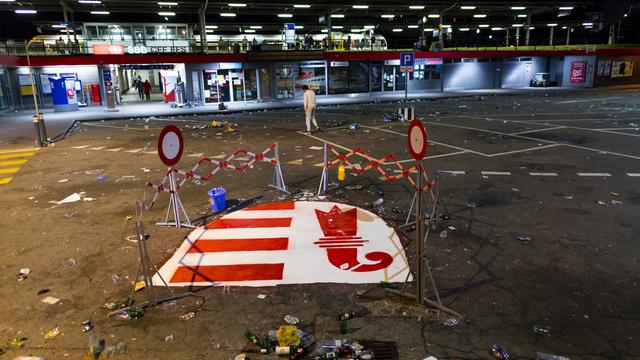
(289, 243)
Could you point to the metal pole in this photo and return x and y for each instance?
(568, 34)
(406, 85)
(38, 120)
(419, 241)
(527, 35)
(506, 43)
(551, 35)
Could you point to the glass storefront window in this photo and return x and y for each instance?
(400, 79)
(92, 32)
(338, 77)
(284, 81)
(389, 78)
(4, 94)
(376, 76)
(251, 84)
(150, 32)
(212, 84)
(104, 32)
(312, 74)
(182, 32)
(358, 76)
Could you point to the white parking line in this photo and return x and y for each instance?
(587, 100)
(595, 174)
(452, 172)
(543, 174)
(538, 130)
(134, 150)
(115, 149)
(81, 147)
(97, 148)
(523, 150)
(633, 174)
(501, 173)
(325, 141)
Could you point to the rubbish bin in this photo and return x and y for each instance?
(217, 199)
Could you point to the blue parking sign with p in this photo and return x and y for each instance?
(406, 59)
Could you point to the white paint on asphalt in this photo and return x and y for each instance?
(587, 100)
(595, 174)
(543, 174)
(501, 173)
(633, 174)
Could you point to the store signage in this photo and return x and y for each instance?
(108, 49)
(406, 62)
(339, 63)
(142, 49)
(578, 72)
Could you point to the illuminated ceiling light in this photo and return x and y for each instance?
(552, 25)
(412, 26)
(517, 25)
(59, 26)
(467, 7)
(255, 27)
(249, 30)
(416, 7)
(90, 1)
(496, 29)
(566, 8)
(397, 30)
(531, 27)
(7, 0)
(167, 13)
(339, 16)
(433, 16)
(285, 15)
(522, 15)
(587, 24)
(167, 3)
(211, 26)
(100, 12)
(228, 14)
(518, 8)
(324, 30)
(564, 27)
(387, 16)
(464, 29)
(480, 16)
(65, 30)
(483, 26)
(429, 29)
(301, 6)
(446, 26)
(369, 27)
(299, 27)
(237, 4)
(360, 6)
(337, 26)
(25, 11)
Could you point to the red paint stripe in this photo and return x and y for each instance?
(249, 223)
(246, 272)
(282, 205)
(222, 245)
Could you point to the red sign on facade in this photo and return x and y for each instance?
(108, 49)
(578, 72)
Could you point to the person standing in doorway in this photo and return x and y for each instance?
(147, 89)
(310, 108)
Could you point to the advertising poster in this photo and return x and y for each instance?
(578, 72)
(621, 69)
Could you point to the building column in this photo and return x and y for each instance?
(527, 35)
(568, 34)
(506, 42)
(517, 37)
(203, 30)
(551, 35)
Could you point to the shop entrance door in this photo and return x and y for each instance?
(389, 78)
(224, 85)
(265, 85)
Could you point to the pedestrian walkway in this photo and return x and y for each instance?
(11, 160)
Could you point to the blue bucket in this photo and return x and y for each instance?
(217, 199)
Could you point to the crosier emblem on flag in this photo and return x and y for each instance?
(289, 242)
(340, 229)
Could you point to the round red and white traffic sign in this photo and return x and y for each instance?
(170, 145)
(417, 139)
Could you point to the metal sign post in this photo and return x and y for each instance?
(406, 67)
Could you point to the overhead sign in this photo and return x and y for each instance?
(108, 49)
(578, 72)
(417, 139)
(406, 62)
(170, 145)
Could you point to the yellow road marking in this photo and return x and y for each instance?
(13, 162)
(9, 170)
(8, 151)
(16, 155)
(5, 181)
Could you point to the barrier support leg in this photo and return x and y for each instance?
(175, 206)
(278, 180)
(324, 179)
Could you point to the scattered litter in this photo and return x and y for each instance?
(87, 325)
(601, 203)
(50, 300)
(569, 197)
(378, 202)
(168, 338)
(129, 314)
(354, 126)
(109, 305)
(19, 341)
(102, 177)
(452, 228)
(128, 217)
(145, 170)
(543, 356)
(523, 238)
(132, 238)
(291, 320)
(262, 296)
(614, 194)
(52, 333)
(115, 277)
(69, 262)
(542, 330)
(515, 189)
(63, 180)
(138, 286)
(23, 274)
(315, 148)
(616, 202)
(187, 316)
(443, 234)
(499, 352)
(451, 322)
(347, 316)
(430, 358)
(29, 357)
(42, 291)
(69, 199)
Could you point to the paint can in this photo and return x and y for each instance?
(217, 199)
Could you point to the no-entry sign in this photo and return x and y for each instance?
(170, 145)
(417, 140)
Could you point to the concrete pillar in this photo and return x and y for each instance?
(551, 28)
(526, 38)
(506, 42)
(203, 30)
(612, 32)
(568, 34)
(517, 37)
(440, 31)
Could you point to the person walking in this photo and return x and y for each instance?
(140, 88)
(147, 89)
(310, 108)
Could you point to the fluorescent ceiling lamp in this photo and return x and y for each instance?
(7, 0)
(518, 8)
(467, 7)
(552, 25)
(360, 6)
(369, 26)
(58, 26)
(284, 15)
(100, 12)
(446, 26)
(483, 26)
(166, 13)
(90, 2)
(64, 30)
(566, 8)
(340, 16)
(337, 26)
(237, 4)
(25, 11)
(433, 16)
(429, 29)
(531, 27)
(564, 27)
(587, 24)
(324, 30)
(299, 27)
(167, 3)
(397, 30)
(497, 29)
(464, 29)
(228, 14)
(211, 26)
(480, 15)
(416, 7)
(249, 30)
(412, 26)
(256, 26)
(387, 16)
(301, 6)
(517, 25)
(522, 15)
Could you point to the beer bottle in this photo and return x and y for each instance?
(252, 337)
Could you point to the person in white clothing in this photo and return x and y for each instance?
(310, 108)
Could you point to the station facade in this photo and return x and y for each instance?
(263, 76)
